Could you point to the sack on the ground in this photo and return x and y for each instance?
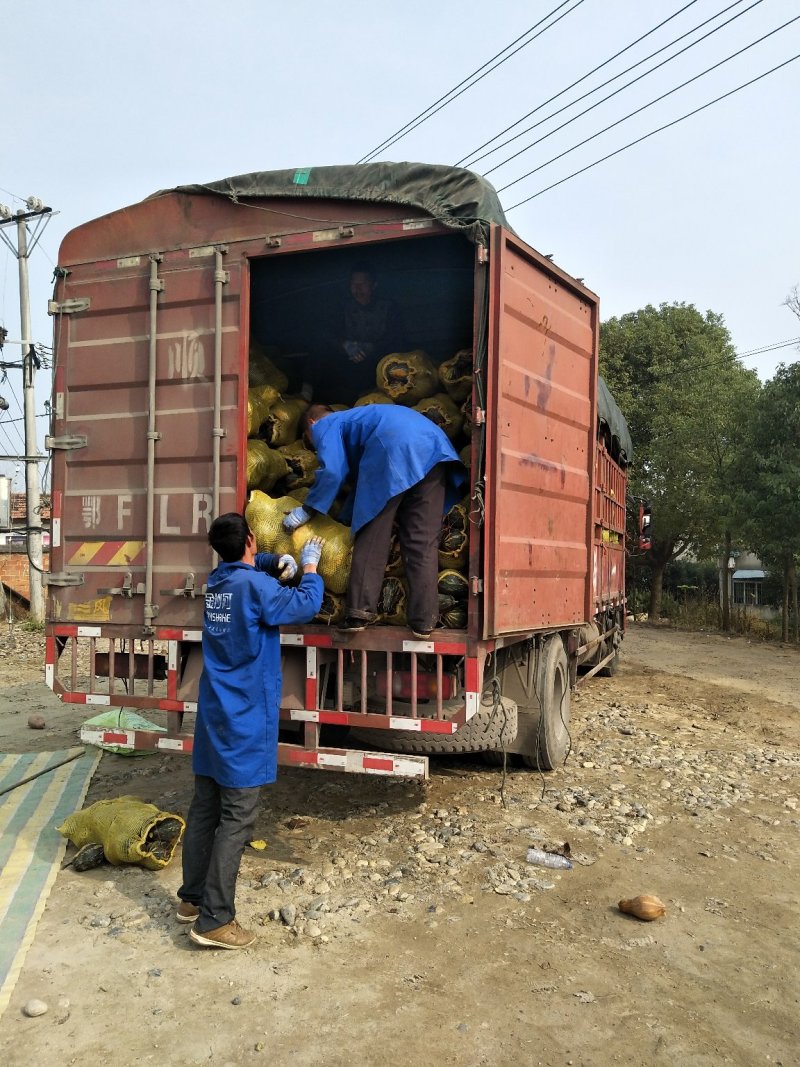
(281, 422)
(130, 831)
(373, 398)
(456, 375)
(442, 410)
(262, 371)
(259, 400)
(302, 464)
(407, 377)
(265, 515)
(264, 465)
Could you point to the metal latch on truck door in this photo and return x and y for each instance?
(127, 589)
(67, 443)
(63, 578)
(68, 307)
(189, 589)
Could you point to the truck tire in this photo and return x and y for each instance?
(486, 730)
(552, 740)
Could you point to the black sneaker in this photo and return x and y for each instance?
(352, 625)
(423, 635)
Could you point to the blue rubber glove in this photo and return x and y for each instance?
(297, 517)
(287, 568)
(312, 550)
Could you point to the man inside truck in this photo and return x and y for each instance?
(236, 735)
(402, 467)
(365, 328)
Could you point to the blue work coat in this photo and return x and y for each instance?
(236, 734)
(382, 450)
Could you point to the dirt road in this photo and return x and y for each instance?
(399, 924)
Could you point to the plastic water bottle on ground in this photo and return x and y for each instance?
(548, 859)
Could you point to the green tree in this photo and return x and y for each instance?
(686, 397)
(769, 476)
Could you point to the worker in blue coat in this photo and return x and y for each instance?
(401, 467)
(236, 734)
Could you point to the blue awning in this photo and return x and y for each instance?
(748, 576)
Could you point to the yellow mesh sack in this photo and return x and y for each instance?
(407, 377)
(393, 602)
(442, 410)
(452, 583)
(264, 465)
(262, 371)
(265, 515)
(373, 398)
(280, 425)
(259, 400)
(454, 542)
(456, 375)
(302, 464)
(465, 455)
(125, 827)
(332, 609)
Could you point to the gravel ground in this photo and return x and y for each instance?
(401, 921)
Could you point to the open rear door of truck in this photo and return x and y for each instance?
(148, 378)
(541, 412)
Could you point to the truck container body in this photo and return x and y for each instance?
(157, 308)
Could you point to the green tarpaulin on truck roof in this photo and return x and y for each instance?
(609, 413)
(453, 196)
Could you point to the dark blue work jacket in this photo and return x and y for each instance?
(382, 450)
(236, 735)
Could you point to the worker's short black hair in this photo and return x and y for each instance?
(311, 414)
(228, 536)
(363, 266)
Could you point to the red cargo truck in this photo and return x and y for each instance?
(156, 307)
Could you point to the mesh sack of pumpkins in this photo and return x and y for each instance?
(407, 377)
(373, 398)
(302, 463)
(265, 466)
(454, 541)
(262, 371)
(123, 830)
(265, 515)
(260, 398)
(453, 589)
(393, 601)
(281, 424)
(444, 411)
(456, 375)
(332, 608)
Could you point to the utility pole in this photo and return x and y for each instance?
(30, 364)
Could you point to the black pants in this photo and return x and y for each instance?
(419, 523)
(219, 825)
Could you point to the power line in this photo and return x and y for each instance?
(620, 89)
(768, 348)
(471, 79)
(644, 107)
(468, 160)
(652, 133)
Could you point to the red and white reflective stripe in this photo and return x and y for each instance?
(174, 744)
(354, 762)
(292, 639)
(97, 698)
(471, 701)
(172, 653)
(49, 674)
(88, 631)
(374, 721)
(123, 738)
(419, 646)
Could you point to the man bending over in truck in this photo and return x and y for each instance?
(402, 467)
(236, 736)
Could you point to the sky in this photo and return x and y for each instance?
(105, 103)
